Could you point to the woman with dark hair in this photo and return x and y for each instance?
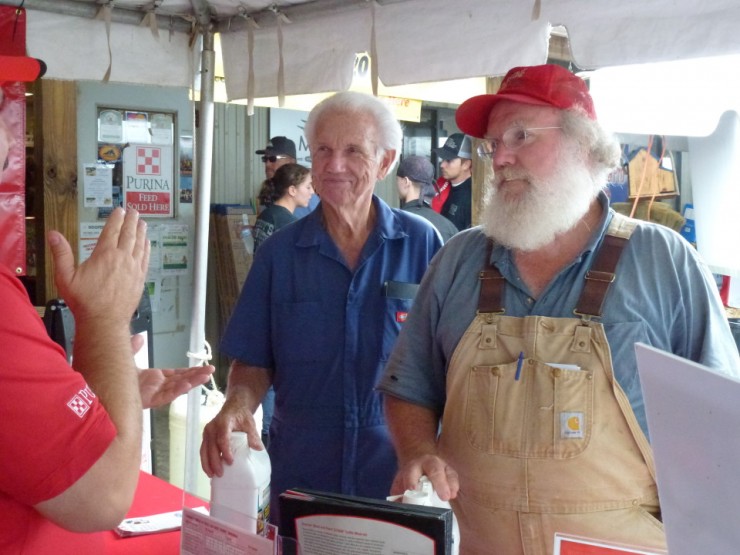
(289, 188)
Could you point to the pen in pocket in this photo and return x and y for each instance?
(519, 363)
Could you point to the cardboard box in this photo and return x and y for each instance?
(230, 225)
(648, 179)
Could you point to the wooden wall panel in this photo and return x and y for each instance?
(58, 146)
(237, 170)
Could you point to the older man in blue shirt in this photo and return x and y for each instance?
(320, 311)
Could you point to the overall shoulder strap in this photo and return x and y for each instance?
(602, 273)
(491, 298)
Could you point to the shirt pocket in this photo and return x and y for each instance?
(546, 413)
(397, 299)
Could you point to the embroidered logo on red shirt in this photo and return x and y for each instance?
(81, 402)
(401, 316)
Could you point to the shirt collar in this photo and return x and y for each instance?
(387, 225)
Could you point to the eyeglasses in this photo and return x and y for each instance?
(513, 138)
(273, 158)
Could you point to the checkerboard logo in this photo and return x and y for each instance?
(79, 405)
(148, 160)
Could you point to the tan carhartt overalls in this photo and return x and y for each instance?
(558, 449)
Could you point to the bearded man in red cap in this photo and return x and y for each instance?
(513, 385)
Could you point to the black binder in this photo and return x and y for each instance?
(432, 522)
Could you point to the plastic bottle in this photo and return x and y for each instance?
(242, 495)
(247, 239)
(424, 494)
(211, 402)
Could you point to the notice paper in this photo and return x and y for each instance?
(205, 535)
(571, 545)
(346, 535)
(324, 523)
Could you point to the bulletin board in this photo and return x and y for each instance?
(135, 166)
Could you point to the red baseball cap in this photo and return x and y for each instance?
(545, 85)
(20, 68)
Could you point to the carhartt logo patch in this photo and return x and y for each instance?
(401, 316)
(571, 425)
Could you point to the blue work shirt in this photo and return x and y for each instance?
(664, 295)
(327, 332)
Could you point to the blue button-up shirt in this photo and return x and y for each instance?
(327, 332)
(664, 295)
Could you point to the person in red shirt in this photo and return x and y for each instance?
(441, 192)
(71, 436)
(454, 200)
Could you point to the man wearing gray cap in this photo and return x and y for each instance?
(457, 168)
(416, 174)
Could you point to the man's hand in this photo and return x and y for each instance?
(108, 285)
(414, 432)
(443, 477)
(215, 449)
(161, 386)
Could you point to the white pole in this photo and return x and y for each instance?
(202, 199)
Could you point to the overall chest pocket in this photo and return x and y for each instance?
(546, 413)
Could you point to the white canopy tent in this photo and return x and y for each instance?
(414, 41)
(285, 47)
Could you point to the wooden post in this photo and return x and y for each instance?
(58, 147)
(481, 167)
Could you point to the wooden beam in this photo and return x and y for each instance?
(59, 169)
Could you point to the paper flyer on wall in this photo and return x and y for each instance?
(98, 186)
(334, 524)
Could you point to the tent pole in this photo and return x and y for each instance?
(202, 199)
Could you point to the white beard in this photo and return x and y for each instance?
(533, 218)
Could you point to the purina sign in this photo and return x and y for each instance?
(148, 184)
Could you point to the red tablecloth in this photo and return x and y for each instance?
(153, 496)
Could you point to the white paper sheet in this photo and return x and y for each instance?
(693, 417)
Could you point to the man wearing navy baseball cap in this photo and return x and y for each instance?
(278, 152)
(520, 345)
